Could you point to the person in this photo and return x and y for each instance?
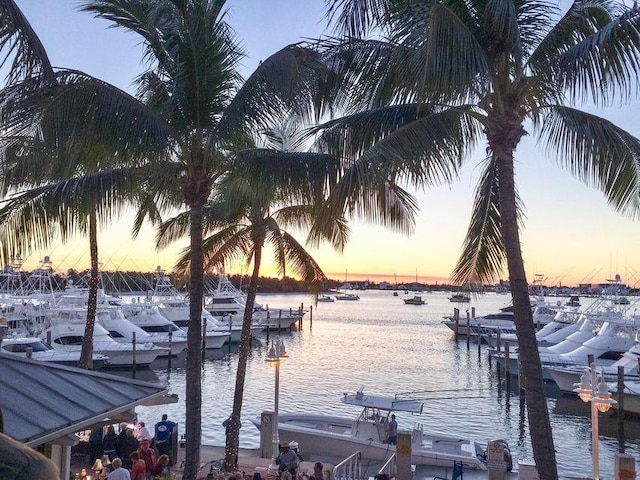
(163, 432)
(146, 453)
(118, 473)
(138, 467)
(20, 462)
(317, 472)
(127, 447)
(143, 432)
(392, 431)
(227, 428)
(287, 460)
(110, 443)
(162, 466)
(95, 443)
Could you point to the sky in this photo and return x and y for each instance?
(571, 235)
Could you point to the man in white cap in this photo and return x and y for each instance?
(287, 460)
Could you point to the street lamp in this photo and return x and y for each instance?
(592, 388)
(277, 355)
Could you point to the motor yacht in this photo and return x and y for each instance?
(161, 331)
(38, 350)
(65, 326)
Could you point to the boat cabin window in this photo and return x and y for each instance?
(115, 334)
(70, 340)
(159, 328)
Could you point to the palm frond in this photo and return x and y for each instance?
(292, 254)
(597, 152)
(483, 254)
(19, 41)
(604, 63)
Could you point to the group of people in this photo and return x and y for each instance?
(134, 455)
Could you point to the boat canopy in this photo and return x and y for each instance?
(383, 402)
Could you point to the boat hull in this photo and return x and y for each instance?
(325, 436)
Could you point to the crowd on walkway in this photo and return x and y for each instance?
(133, 453)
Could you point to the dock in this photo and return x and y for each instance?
(250, 462)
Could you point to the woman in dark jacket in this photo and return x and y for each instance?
(110, 443)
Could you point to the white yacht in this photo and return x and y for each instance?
(161, 331)
(65, 328)
(37, 349)
(615, 336)
(331, 436)
(567, 376)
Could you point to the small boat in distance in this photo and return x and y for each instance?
(460, 298)
(417, 300)
(326, 298)
(330, 436)
(347, 296)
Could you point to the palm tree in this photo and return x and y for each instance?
(266, 191)
(69, 183)
(191, 108)
(439, 77)
(31, 219)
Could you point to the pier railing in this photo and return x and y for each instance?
(390, 467)
(349, 469)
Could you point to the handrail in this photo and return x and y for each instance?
(390, 467)
(349, 469)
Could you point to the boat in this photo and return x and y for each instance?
(574, 301)
(326, 298)
(460, 298)
(501, 321)
(567, 376)
(416, 300)
(65, 327)
(614, 338)
(37, 349)
(330, 436)
(347, 296)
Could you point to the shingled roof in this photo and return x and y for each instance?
(42, 402)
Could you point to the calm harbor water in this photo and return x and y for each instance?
(387, 347)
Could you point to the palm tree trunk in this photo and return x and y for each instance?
(530, 365)
(233, 439)
(86, 354)
(193, 394)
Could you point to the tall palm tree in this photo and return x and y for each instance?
(438, 77)
(191, 107)
(267, 192)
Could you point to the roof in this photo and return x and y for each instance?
(42, 402)
(383, 402)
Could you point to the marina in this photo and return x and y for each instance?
(379, 344)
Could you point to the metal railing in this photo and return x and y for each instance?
(349, 469)
(390, 467)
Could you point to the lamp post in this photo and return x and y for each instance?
(277, 355)
(592, 388)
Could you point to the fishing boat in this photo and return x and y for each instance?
(460, 298)
(326, 298)
(330, 436)
(347, 296)
(416, 300)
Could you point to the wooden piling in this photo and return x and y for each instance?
(468, 329)
(170, 348)
(204, 334)
(620, 399)
(133, 344)
(507, 359)
(310, 316)
(456, 319)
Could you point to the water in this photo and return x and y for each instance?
(389, 347)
